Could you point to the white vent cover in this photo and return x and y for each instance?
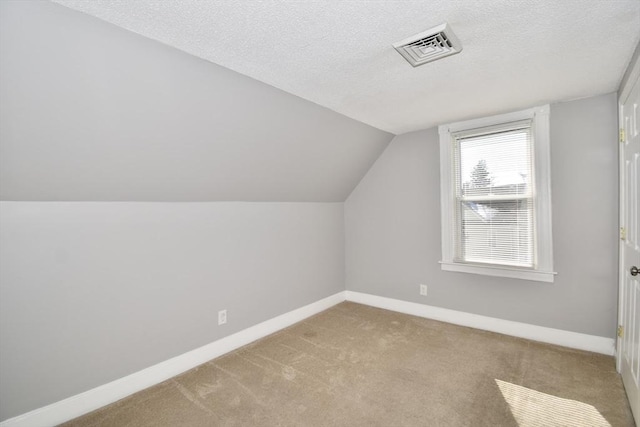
(429, 45)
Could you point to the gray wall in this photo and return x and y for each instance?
(392, 223)
(627, 73)
(91, 292)
(90, 111)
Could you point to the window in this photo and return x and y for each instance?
(495, 196)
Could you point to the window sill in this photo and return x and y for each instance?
(514, 273)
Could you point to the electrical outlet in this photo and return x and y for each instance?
(423, 290)
(222, 317)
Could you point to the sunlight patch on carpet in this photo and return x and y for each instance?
(532, 408)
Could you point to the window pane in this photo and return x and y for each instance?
(497, 232)
(494, 188)
(495, 164)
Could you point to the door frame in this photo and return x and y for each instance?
(631, 77)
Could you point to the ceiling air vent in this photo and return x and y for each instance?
(429, 45)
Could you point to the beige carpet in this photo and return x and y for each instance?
(354, 365)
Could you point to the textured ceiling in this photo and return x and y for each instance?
(338, 53)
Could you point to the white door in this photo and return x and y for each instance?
(628, 354)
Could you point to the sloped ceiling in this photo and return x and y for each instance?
(92, 112)
(269, 101)
(338, 53)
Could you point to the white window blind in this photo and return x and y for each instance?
(494, 195)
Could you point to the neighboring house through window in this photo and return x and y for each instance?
(496, 197)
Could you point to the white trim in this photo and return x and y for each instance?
(621, 223)
(498, 119)
(98, 397)
(492, 270)
(542, 171)
(447, 199)
(523, 330)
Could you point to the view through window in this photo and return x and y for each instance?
(494, 194)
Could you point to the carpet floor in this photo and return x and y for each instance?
(355, 365)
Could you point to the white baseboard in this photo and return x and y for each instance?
(523, 330)
(98, 397)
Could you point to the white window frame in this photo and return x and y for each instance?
(543, 268)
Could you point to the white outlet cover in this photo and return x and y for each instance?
(423, 290)
(222, 317)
